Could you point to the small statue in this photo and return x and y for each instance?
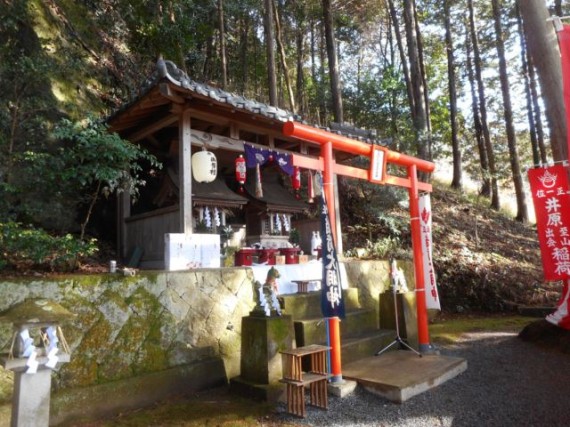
(267, 303)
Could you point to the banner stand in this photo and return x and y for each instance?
(398, 340)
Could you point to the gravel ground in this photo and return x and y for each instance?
(508, 382)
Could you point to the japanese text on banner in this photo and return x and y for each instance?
(549, 187)
(432, 296)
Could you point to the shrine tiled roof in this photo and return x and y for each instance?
(168, 70)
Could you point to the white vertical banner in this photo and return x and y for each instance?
(432, 296)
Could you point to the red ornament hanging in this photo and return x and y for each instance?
(296, 180)
(241, 172)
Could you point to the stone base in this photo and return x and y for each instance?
(262, 339)
(342, 389)
(272, 393)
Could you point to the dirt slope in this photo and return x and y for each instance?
(484, 259)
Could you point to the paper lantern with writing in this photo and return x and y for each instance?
(204, 166)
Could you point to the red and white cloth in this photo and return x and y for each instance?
(432, 296)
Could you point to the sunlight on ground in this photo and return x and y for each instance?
(451, 330)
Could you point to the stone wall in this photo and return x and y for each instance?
(173, 331)
(128, 327)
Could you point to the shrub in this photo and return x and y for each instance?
(29, 247)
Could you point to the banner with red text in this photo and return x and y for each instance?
(549, 187)
(432, 296)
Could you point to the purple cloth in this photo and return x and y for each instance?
(259, 156)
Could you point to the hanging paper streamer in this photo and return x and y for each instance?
(52, 349)
(277, 224)
(286, 223)
(217, 220)
(27, 343)
(32, 363)
(207, 217)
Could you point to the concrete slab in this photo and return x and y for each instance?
(400, 375)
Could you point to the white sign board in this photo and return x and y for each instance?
(187, 251)
(377, 165)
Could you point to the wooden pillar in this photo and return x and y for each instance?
(185, 172)
(123, 212)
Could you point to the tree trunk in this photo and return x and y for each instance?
(300, 84)
(420, 116)
(543, 48)
(283, 58)
(403, 58)
(244, 52)
(495, 201)
(558, 8)
(222, 43)
(528, 95)
(537, 110)
(269, 37)
(322, 89)
(423, 71)
(333, 62)
(522, 211)
(485, 176)
(457, 181)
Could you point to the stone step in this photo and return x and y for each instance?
(366, 345)
(308, 305)
(313, 330)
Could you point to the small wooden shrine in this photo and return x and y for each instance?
(174, 118)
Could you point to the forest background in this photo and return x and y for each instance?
(469, 84)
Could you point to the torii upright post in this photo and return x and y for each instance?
(333, 322)
(415, 228)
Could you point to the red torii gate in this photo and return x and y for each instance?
(377, 154)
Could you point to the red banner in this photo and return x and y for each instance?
(549, 187)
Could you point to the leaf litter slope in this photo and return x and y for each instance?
(484, 259)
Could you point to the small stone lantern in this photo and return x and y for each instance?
(34, 352)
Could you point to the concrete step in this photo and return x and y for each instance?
(365, 345)
(308, 305)
(313, 330)
(400, 375)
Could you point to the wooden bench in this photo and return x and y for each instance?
(316, 377)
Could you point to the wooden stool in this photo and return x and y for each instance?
(296, 379)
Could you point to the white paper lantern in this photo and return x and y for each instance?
(204, 166)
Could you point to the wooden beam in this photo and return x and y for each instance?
(167, 92)
(152, 128)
